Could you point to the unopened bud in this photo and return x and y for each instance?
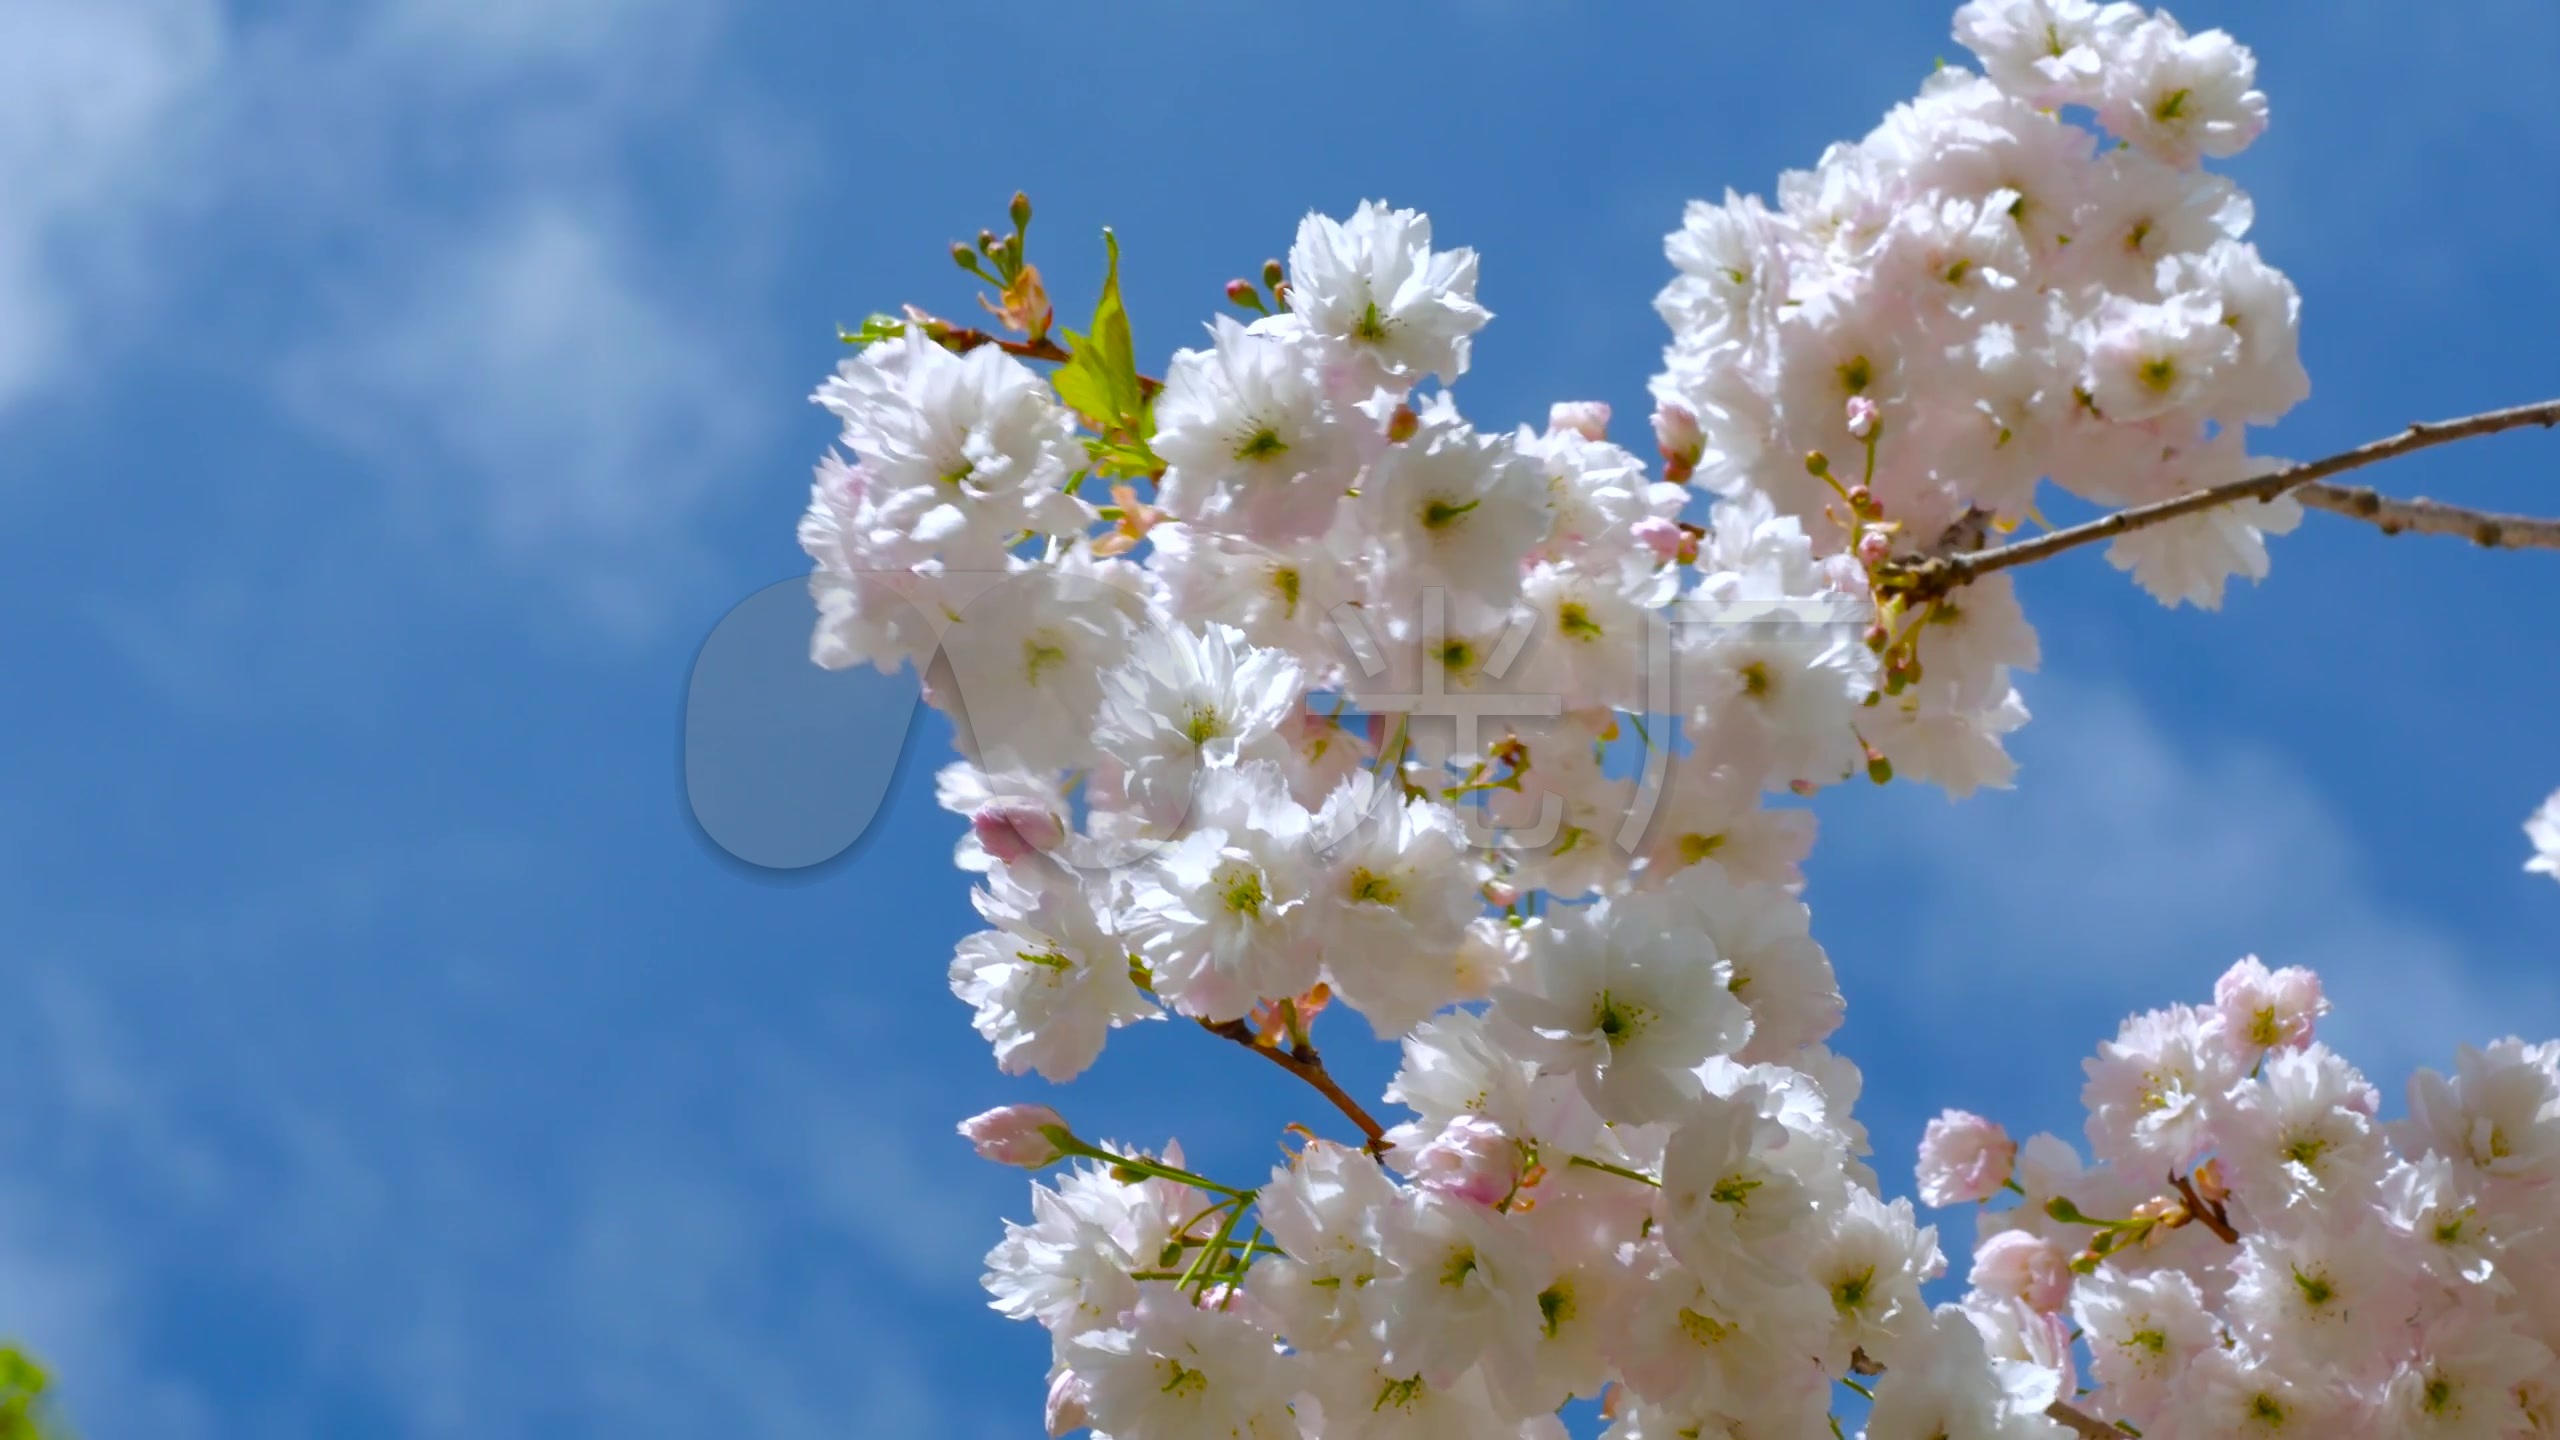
(1504, 895)
(1863, 500)
(1874, 548)
(964, 257)
(1402, 425)
(987, 241)
(1816, 463)
(1682, 443)
(1242, 295)
(1013, 831)
(1586, 418)
(1662, 536)
(1274, 275)
(1021, 211)
(1879, 769)
(1025, 1135)
(1878, 638)
(1862, 416)
(1069, 1397)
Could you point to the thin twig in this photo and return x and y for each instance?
(2432, 517)
(961, 339)
(1303, 1062)
(1936, 576)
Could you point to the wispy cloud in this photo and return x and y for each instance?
(2129, 867)
(532, 385)
(484, 320)
(91, 95)
(309, 1104)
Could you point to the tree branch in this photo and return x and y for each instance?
(1931, 577)
(961, 339)
(2210, 1214)
(1303, 1062)
(2432, 517)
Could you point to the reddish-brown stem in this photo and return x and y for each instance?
(961, 339)
(2208, 1213)
(1303, 1062)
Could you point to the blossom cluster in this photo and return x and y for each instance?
(2305, 1268)
(1981, 295)
(1343, 700)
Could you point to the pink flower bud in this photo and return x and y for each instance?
(1660, 536)
(1472, 1159)
(1586, 418)
(1012, 829)
(1874, 547)
(2024, 1265)
(1021, 1135)
(1862, 416)
(1502, 894)
(1068, 1398)
(1964, 1157)
(1683, 444)
(2264, 1009)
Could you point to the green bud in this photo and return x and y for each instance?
(1021, 212)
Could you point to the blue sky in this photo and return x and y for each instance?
(392, 396)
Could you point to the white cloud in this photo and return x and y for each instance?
(534, 382)
(2129, 867)
(514, 32)
(92, 98)
(485, 321)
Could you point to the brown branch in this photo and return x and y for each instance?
(961, 339)
(2210, 1214)
(2432, 517)
(1927, 578)
(1303, 1062)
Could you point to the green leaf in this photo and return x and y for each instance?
(874, 328)
(1100, 378)
(1100, 382)
(23, 1412)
